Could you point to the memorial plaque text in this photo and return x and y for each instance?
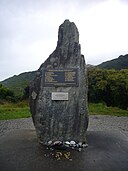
(60, 77)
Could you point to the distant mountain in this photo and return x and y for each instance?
(89, 66)
(119, 63)
(17, 83)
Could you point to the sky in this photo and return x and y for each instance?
(29, 31)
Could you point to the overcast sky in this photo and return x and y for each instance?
(29, 30)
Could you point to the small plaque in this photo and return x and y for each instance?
(60, 77)
(59, 96)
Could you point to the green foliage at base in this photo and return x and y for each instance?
(102, 109)
(14, 110)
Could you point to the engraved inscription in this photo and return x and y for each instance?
(59, 77)
(49, 77)
(70, 76)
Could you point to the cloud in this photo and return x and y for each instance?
(29, 31)
(105, 31)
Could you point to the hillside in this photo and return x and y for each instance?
(119, 63)
(17, 83)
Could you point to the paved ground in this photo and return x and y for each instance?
(108, 148)
(96, 123)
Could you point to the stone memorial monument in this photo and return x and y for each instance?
(58, 94)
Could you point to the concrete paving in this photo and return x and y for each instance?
(107, 151)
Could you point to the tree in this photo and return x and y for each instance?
(6, 94)
(26, 93)
(109, 86)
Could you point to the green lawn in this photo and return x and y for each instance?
(21, 110)
(102, 109)
(14, 110)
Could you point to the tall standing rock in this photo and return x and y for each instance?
(58, 95)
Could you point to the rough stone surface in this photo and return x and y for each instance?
(61, 120)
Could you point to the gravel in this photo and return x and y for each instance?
(8, 125)
(108, 123)
(96, 123)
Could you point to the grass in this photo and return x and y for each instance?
(102, 109)
(21, 110)
(14, 110)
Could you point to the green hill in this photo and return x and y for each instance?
(17, 83)
(119, 63)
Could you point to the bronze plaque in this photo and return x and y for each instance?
(60, 77)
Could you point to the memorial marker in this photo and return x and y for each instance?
(58, 94)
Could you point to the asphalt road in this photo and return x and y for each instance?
(107, 151)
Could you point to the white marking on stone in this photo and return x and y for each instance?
(34, 94)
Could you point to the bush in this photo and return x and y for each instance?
(109, 86)
(6, 94)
